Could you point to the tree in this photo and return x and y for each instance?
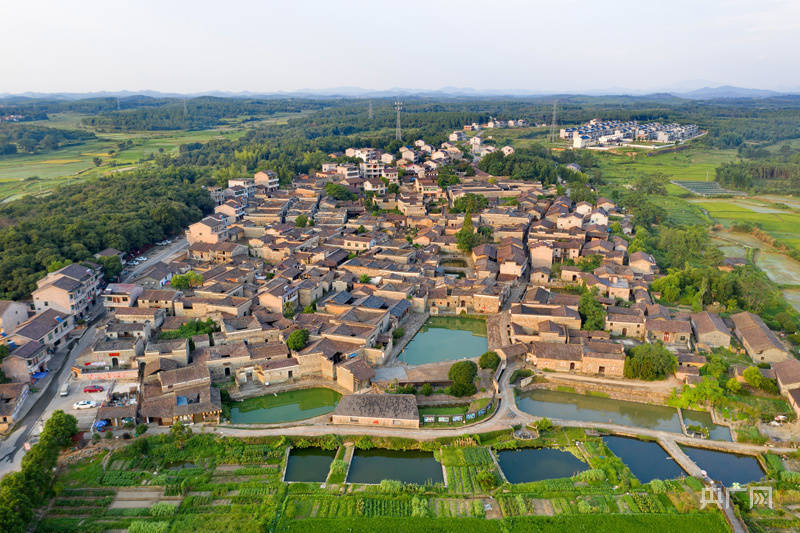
(469, 203)
(60, 427)
(427, 389)
(189, 280)
(393, 188)
(752, 375)
(650, 362)
(466, 238)
(651, 184)
(301, 221)
(364, 278)
(112, 266)
(489, 360)
(733, 385)
(297, 340)
(339, 192)
(398, 333)
(97, 161)
(361, 229)
(592, 313)
(288, 309)
(462, 374)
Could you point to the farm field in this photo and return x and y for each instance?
(696, 163)
(782, 223)
(213, 483)
(22, 174)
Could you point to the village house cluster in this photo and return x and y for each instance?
(598, 132)
(271, 260)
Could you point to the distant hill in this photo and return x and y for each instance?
(727, 91)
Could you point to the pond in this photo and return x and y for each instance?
(727, 468)
(445, 339)
(373, 466)
(536, 464)
(572, 406)
(703, 418)
(647, 460)
(283, 407)
(310, 465)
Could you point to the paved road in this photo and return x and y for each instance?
(156, 255)
(15, 441)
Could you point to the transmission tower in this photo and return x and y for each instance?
(553, 125)
(398, 105)
(184, 108)
(371, 115)
(117, 104)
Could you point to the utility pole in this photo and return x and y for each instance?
(398, 105)
(553, 125)
(371, 115)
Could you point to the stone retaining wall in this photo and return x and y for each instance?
(622, 391)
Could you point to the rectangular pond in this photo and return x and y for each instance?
(536, 464)
(572, 406)
(646, 460)
(373, 466)
(727, 468)
(309, 465)
(283, 407)
(703, 419)
(446, 339)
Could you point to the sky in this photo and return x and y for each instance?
(270, 46)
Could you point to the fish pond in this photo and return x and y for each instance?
(572, 406)
(646, 460)
(703, 419)
(282, 407)
(309, 465)
(446, 339)
(536, 464)
(727, 468)
(373, 466)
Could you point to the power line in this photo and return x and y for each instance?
(553, 124)
(398, 105)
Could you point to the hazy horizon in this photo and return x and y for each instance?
(530, 47)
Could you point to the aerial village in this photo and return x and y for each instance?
(324, 283)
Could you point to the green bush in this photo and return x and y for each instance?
(163, 509)
(140, 526)
(489, 359)
(462, 374)
(520, 373)
(658, 487)
(427, 389)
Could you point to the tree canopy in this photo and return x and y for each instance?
(297, 339)
(650, 362)
(462, 374)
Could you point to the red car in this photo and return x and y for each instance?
(93, 388)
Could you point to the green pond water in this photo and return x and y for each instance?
(571, 406)
(536, 464)
(310, 465)
(373, 466)
(703, 418)
(284, 407)
(445, 339)
(727, 468)
(646, 460)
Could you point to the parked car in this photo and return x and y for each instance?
(93, 388)
(85, 404)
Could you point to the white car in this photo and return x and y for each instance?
(85, 404)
